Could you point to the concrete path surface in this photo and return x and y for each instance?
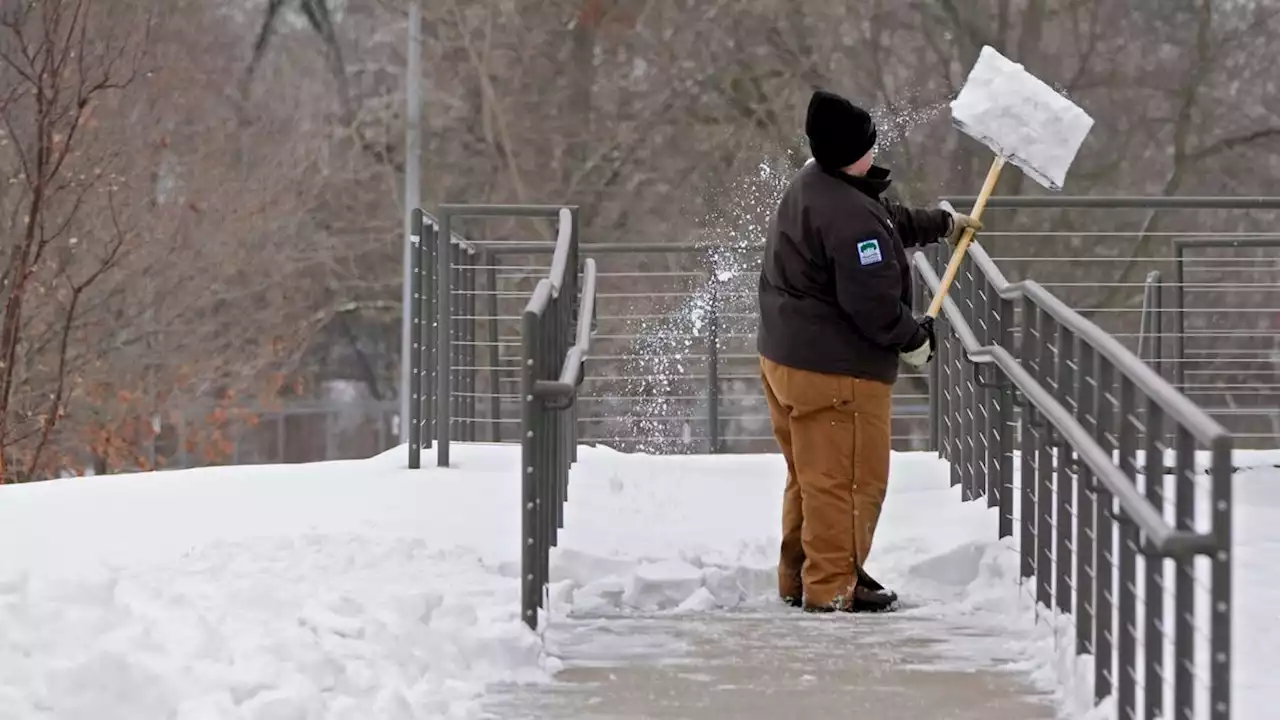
(774, 664)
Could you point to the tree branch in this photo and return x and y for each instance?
(1233, 142)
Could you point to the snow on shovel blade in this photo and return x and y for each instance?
(1020, 118)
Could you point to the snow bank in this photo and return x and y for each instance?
(361, 589)
(338, 590)
(1048, 650)
(678, 533)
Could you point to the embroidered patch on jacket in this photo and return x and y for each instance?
(869, 252)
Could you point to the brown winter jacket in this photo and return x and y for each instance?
(835, 288)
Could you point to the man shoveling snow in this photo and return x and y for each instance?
(835, 320)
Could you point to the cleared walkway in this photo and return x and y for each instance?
(774, 664)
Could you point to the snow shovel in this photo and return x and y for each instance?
(1022, 120)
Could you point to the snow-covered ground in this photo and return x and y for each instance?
(365, 590)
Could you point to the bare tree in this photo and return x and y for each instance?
(58, 64)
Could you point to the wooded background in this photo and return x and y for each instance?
(203, 203)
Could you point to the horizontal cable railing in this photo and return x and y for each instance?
(673, 369)
(1218, 340)
(459, 370)
(1102, 490)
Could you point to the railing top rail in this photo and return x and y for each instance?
(492, 211)
(496, 211)
(549, 286)
(455, 238)
(1199, 243)
(1175, 404)
(570, 375)
(1160, 536)
(540, 298)
(1100, 202)
(499, 247)
(571, 371)
(587, 310)
(560, 257)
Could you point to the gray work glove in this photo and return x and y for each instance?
(959, 223)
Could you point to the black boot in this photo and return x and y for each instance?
(867, 600)
(871, 596)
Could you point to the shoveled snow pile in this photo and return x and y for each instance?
(364, 590)
(340, 590)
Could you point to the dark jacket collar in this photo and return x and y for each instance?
(873, 184)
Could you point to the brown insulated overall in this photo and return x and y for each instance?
(834, 433)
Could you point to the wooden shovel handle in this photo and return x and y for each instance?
(961, 247)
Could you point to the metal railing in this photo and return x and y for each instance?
(1089, 454)
(1224, 330)
(552, 372)
(674, 369)
(555, 336)
(1151, 327)
(1101, 490)
(450, 277)
(433, 325)
(1218, 314)
(675, 366)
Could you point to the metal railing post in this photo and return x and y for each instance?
(989, 394)
(560, 309)
(1005, 421)
(1184, 578)
(1030, 438)
(545, 427)
(430, 334)
(935, 395)
(576, 267)
(415, 342)
(530, 567)
(1104, 560)
(1127, 691)
(952, 357)
(444, 337)
(967, 436)
(1044, 469)
(1221, 475)
(1086, 524)
(1064, 481)
(1151, 323)
(713, 364)
(1153, 596)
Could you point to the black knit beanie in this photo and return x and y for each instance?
(840, 133)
